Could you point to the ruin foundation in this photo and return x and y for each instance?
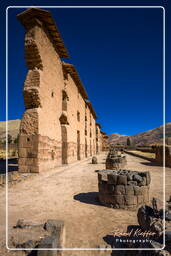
(123, 189)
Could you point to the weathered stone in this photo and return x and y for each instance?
(132, 183)
(112, 179)
(156, 226)
(137, 178)
(120, 190)
(168, 237)
(103, 187)
(22, 223)
(120, 199)
(157, 204)
(168, 216)
(129, 190)
(145, 215)
(140, 199)
(102, 176)
(130, 200)
(138, 190)
(143, 182)
(122, 180)
(148, 177)
(111, 188)
(129, 177)
(48, 242)
(94, 160)
(117, 185)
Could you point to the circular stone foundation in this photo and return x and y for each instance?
(115, 162)
(123, 189)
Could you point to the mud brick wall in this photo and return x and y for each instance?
(53, 96)
(123, 189)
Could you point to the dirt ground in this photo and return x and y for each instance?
(69, 193)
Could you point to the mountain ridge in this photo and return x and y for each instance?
(149, 137)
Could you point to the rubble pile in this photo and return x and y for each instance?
(29, 236)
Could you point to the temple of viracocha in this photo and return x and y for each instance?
(59, 123)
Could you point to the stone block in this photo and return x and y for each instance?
(94, 160)
(137, 190)
(112, 179)
(140, 199)
(106, 198)
(122, 180)
(120, 190)
(129, 190)
(103, 187)
(25, 141)
(143, 182)
(137, 178)
(111, 188)
(130, 200)
(102, 176)
(134, 183)
(48, 242)
(28, 152)
(148, 177)
(119, 199)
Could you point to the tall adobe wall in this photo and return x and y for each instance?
(40, 132)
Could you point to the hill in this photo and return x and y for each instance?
(13, 129)
(149, 137)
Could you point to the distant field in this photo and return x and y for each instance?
(146, 154)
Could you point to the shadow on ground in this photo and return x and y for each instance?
(88, 198)
(12, 165)
(150, 163)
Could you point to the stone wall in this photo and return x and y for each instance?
(59, 123)
(123, 189)
(159, 155)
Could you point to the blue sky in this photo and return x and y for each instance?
(117, 53)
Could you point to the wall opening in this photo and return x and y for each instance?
(85, 147)
(64, 100)
(90, 149)
(64, 145)
(78, 116)
(78, 145)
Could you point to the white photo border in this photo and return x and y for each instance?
(164, 112)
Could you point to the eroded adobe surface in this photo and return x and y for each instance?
(59, 123)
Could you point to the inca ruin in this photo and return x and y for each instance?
(59, 124)
(71, 188)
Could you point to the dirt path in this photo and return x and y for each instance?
(70, 194)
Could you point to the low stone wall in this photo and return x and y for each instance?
(159, 155)
(123, 189)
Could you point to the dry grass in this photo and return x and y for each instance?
(146, 154)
